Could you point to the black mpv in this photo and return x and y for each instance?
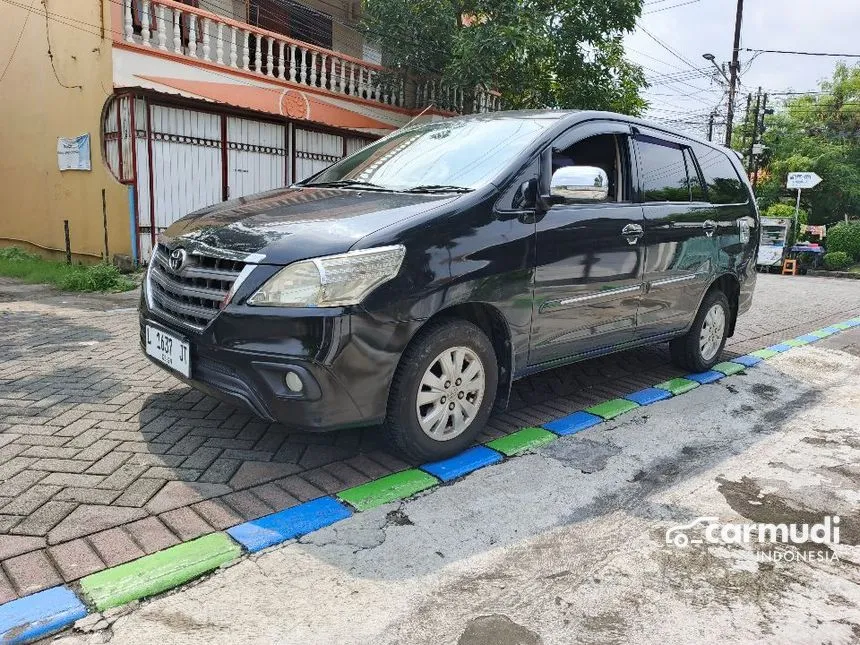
(410, 283)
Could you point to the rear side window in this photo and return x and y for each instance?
(724, 184)
(664, 171)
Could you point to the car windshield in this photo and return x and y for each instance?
(446, 156)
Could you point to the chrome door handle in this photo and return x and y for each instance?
(710, 226)
(632, 233)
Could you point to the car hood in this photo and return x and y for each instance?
(291, 224)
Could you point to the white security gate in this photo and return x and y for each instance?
(256, 156)
(179, 160)
(316, 151)
(186, 162)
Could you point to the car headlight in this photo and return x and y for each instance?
(332, 280)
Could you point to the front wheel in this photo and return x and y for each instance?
(699, 350)
(443, 391)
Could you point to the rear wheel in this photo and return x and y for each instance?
(700, 348)
(443, 391)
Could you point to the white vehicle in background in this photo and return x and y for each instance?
(774, 236)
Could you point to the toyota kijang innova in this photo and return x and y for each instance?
(410, 283)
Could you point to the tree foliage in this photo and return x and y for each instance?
(536, 53)
(819, 133)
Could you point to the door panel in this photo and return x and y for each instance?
(316, 151)
(587, 280)
(256, 157)
(186, 162)
(679, 265)
(680, 250)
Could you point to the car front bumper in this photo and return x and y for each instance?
(345, 359)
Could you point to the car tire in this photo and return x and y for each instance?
(429, 429)
(700, 348)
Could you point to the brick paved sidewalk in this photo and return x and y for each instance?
(105, 458)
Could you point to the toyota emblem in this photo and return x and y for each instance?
(177, 259)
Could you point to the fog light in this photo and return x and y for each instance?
(293, 382)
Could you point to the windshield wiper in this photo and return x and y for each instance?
(346, 183)
(438, 188)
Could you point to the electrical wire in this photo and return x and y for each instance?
(801, 53)
(17, 42)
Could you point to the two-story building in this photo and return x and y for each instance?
(186, 104)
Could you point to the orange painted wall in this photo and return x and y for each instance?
(36, 107)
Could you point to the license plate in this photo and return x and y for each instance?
(169, 349)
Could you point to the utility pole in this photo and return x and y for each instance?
(733, 72)
(711, 127)
(759, 130)
(746, 130)
(751, 162)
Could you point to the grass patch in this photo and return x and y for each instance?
(28, 267)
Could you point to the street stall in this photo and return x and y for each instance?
(774, 234)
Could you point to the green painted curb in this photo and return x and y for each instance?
(387, 489)
(728, 368)
(764, 353)
(521, 440)
(820, 333)
(159, 571)
(842, 325)
(612, 408)
(678, 385)
(795, 342)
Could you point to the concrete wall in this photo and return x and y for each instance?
(35, 109)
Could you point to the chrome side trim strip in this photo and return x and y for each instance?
(594, 296)
(683, 278)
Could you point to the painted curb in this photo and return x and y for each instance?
(288, 524)
(648, 396)
(703, 378)
(522, 440)
(729, 368)
(159, 571)
(40, 614)
(573, 423)
(387, 489)
(612, 408)
(466, 462)
(45, 612)
(747, 361)
(678, 386)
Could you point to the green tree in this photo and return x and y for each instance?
(820, 133)
(536, 53)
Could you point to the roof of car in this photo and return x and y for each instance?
(574, 116)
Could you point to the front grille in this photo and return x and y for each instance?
(193, 295)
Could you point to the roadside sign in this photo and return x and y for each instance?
(758, 148)
(802, 180)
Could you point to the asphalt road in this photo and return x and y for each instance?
(568, 545)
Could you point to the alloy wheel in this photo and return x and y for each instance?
(450, 393)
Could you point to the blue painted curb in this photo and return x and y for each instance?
(706, 377)
(466, 462)
(573, 423)
(648, 396)
(780, 347)
(288, 524)
(747, 360)
(809, 338)
(39, 615)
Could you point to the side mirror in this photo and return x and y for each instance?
(579, 184)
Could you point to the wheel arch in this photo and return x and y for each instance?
(729, 284)
(492, 322)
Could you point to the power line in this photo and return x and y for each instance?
(681, 4)
(17, 42)
(801, 53)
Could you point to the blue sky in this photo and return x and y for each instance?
(701, 26)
